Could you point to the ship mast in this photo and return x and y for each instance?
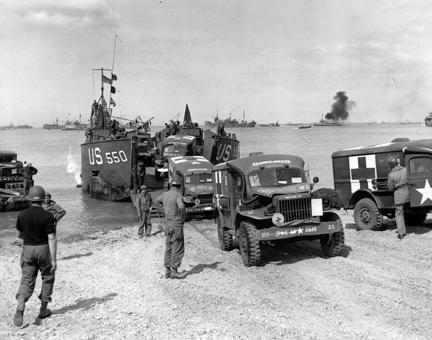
(112, 71)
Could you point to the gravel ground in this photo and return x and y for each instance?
(110, 285)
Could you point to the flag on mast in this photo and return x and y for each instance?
(106, 80)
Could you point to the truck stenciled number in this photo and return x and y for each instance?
(331, 226)
(112, 157)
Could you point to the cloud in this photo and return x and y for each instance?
(79, 13)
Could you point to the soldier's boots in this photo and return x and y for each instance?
(167, 273)
(44, 312)
(175, 274)
(19, 314)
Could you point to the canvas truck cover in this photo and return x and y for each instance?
(186, 165)
(247, 165)
(178, 139)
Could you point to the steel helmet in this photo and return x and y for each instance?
(47, 194)
(36, 193)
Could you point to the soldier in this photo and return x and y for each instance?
(37, 227)
(51, 206)
(174, 237)
(141, 171)
(143, 205)
(28, 172)
(398, 182)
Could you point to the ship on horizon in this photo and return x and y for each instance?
(231, 122)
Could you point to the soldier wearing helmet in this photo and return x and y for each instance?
(174, 220)
(398, 182)
(143, 205)
(28, 172)
(39, 253)
(55, 209)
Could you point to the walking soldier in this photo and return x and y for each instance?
(38, 230)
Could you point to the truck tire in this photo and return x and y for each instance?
(366, 215)
(333, 244)
(414, 219)
(225, 239)
(250, 249)
(330, 195)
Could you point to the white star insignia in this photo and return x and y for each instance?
(426, 192)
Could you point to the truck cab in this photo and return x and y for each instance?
(360, 178)
(269, 197)
(173, 146)
(195, 175)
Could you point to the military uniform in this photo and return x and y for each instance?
(55, 209)
(143, 205)
(174, 237)
(398, 182)
(28, 172)
(35, 224)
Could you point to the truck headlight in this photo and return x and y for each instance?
(278, 219)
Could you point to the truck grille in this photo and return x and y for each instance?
(207, 198)
(295, 209)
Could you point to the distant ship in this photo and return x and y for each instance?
(304, 126)
(327, 122)
(270, 125)
(55, 126)
(12, 127)
(428, 119)
(73, 126)
(231, 122)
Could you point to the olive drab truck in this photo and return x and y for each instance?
(268, 197)
(194, 173)
(360, 178)
(11, 182)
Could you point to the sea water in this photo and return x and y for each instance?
(56, 155)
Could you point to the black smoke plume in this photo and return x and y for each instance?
(341, 107)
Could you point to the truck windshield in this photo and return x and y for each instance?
(7, 158)
(172, 150)
(197, 184)
(276, 177)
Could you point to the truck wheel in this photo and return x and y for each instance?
(366, 215)
(331, 196)
(250, 250)
(225, 239)
(333, 244)
(414, 219)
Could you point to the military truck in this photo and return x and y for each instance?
(360, 178)
(194, 173)
(269, 197)
(11, 182)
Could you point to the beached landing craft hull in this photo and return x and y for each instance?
(106, 168)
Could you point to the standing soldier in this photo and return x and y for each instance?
(398, 182)
(174, 237)
(37, 227)
(51, 206)
(143, 205)
(141, 171)
(28, 172)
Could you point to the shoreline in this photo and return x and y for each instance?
(110, 284)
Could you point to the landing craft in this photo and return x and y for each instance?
(112, 150)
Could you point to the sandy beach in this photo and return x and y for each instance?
(110, 285)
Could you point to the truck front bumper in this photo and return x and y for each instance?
(278, 233)
(202, 208)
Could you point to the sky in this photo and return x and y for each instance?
(279, 60)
